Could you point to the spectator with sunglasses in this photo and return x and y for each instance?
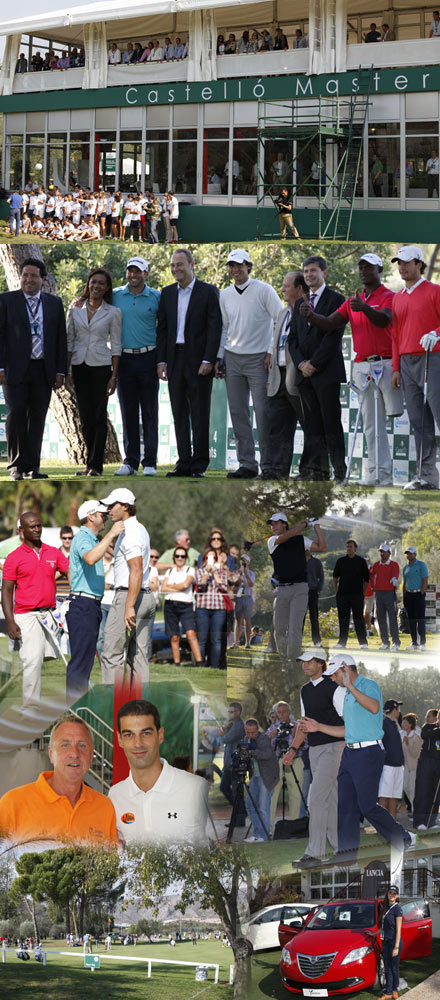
(211, 583)
(178, 586)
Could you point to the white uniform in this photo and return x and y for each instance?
(175, 810)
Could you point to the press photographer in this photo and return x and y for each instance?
(263, 768)
(282, 734)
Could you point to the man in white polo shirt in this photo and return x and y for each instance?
(134, 605)
(157, 802)
(249, 309)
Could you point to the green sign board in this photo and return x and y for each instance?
(272, 88)
(92, 962)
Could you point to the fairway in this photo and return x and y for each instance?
(266, 980)
(65, 977)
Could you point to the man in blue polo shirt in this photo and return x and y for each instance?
(138, 383)
(15, 203)
(415, 582)
(362, 760)
(87, 588)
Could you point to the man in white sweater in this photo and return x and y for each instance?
(249, 309)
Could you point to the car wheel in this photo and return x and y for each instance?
(380, 974)
(244, 948)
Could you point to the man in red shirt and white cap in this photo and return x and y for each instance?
(416, 359)
(384, 578)
(28, 591)
(370, 314)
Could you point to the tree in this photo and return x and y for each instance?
(221, 879)
(62, 403)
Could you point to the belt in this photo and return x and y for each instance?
(365, 743)
(49, 608)
(412, 591)
(378, 357)
(138, 350)
(82, 593)
(143, 590)
(291, 583)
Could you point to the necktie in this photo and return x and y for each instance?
(312, 301)
(33, 304)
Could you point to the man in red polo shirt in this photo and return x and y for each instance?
(384, 578)
(29, 578)
(369, 315)
(416, 331)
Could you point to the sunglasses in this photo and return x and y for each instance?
(154, 557)
(180, 556)
(216, 538)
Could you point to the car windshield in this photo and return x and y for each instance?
(353, 915)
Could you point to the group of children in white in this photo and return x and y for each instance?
(82, 215)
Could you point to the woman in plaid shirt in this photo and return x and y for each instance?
(211, 585)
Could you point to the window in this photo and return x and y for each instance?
(56, 159)
(34, 159)
(245, 156)
(422, 148)
(184, 168)
(384, 160)
(105, 160)
(215, 160)
(79, 160)
(14, 150)
(156, 160)
(130, 160)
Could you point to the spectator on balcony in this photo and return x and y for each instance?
(254, 44)
(267, 39)
(63, 61)
(300, 41)
(128, 56)
(434, 31)
(81, 57)
(53, 59)
(168, 50)
(388, 33)
(221, 45)
(156, 54)
(231, 45)
(373, 35)
(179, 49)
(137, 52)
(243, 44)
(22, 64)
(46, 65)
(281, 42)
(148, 48)
(432, 170)
(114, 55)
(73, 58)
(36, 63)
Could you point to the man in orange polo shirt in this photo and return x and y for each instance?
(416, 334)
(28, 591)
(58, 806)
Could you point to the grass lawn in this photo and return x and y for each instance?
(64, 470)
(65, 977)
(257, 656)
(266, 980)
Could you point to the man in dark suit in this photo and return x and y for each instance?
(320, 371)
(283, 406)
(33, 356)
(189, 327)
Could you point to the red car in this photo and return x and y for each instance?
(338, 949)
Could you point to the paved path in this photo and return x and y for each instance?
(428, 990)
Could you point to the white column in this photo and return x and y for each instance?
(7, 71)
(95, 44)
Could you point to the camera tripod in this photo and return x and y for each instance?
(239, 807)
(284, 789)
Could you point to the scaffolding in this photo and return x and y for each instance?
(325, 137)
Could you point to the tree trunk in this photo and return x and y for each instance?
(30, 904)
(62, 403)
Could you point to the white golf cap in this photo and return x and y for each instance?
(238, 257)
(91, 507)
(313, 653)
(139, 262)
(385, 547)
(120, 495)
(372, 258)
(277, 517)
(408, 253)
(411, 550)
(336, 662)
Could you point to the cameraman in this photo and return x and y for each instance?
(244, 601)
(231, 734)
(282, 734)
(264, 776)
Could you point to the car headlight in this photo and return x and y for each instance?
(356, 955)
(286, 956)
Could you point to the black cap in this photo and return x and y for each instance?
(390, 705)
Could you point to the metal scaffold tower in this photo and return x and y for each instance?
(324, 136)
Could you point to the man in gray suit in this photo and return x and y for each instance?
(283, 404)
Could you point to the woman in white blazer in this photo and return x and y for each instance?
(94, 349)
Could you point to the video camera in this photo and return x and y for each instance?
(282, 738)
(242, 760)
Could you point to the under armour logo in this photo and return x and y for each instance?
(170, 815)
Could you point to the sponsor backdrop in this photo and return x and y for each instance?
(222, 445)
